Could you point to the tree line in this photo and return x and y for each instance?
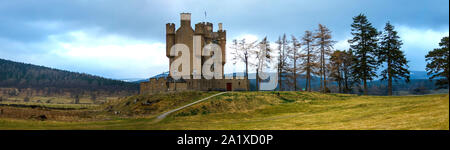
(313, 55)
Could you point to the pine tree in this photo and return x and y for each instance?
(364, 46)
(437, 65)
(308, 58)
(341, 62)
(325, 45)
(392, 56)
(347, 71)
(336, 63)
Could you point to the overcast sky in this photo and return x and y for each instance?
(126, 39)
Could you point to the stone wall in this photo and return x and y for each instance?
(162, 85)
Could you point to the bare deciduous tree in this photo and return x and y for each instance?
(308, 58)
(293, 56)
(283, 46)
(263, 58)
(242, 51)
(324, 45)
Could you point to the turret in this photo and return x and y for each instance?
(209, 27)
(222, 41)
(170, 37)
(199, 28)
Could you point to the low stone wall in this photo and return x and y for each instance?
(162, 85)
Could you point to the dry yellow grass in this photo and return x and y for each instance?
(289, 110)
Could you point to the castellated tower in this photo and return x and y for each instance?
(185, 35)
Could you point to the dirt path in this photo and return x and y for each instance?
(164, 115)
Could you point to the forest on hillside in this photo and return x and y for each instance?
(17, 78)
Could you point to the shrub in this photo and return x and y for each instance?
(26, 99)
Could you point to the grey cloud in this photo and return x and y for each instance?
(26, 24)
(146, 19)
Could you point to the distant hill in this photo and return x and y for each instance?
(49, 81)
(419, 75)
(161, 75)
(131, 79)
(419, 84)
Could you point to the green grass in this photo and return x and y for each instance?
(268, 110)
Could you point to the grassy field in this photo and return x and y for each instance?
(264, 110)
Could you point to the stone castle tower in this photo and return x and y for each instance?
(184, 35)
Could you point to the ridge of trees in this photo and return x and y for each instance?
(53, 81)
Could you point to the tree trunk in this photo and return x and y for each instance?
(340, 87)
(390, 86)
(389, 78)
(295, 75)
(365, 86)
(346, 89)
(324, 74)
(308, 71)
(307, 78)
(309, 83)
(321, 82)
(246, 73)
(257, 79)
(279, 76)
(339, 79)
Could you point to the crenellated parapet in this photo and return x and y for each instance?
(170, 28)
(199, 28)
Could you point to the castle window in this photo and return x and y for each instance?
(239, 83)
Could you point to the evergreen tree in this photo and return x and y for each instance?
(393, 57)
(340, 67)
(437, 65)
(347, 71)
(336, 63)
(364, 46)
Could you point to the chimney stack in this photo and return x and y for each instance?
(220, 26)
(185, 19)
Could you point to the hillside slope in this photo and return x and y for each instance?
(302, 110)
(265, 110)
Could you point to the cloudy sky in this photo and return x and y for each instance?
(126, 39)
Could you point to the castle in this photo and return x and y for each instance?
(184, 35)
